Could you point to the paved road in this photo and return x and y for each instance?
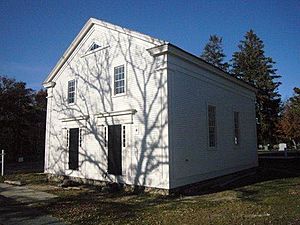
(15, 206)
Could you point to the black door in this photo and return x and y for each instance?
(114, 150)
(73, 148)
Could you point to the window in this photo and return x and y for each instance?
(124, 137)
(94, 46)
(119, 80)
(236, 119)
(212, 132)
(71, 91)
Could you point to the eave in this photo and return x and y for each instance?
(169, 48)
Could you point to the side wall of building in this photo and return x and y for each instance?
(191, 90)
(142, 111)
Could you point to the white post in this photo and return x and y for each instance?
(2, 163)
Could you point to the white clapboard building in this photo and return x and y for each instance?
(129, 108)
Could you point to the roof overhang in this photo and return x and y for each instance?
(169, 48)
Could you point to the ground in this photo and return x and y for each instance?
(271, 196)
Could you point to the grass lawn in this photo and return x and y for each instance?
(272, 196)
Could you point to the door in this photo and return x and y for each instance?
(73, 148)
(114, 150)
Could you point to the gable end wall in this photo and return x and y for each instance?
(145, 155)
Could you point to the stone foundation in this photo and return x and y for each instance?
(195, 188)
(108, 185)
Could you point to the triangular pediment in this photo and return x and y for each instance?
(95, 46)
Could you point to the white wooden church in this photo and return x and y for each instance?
(125, 107)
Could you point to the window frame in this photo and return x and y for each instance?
(68, 92)
(114, 81)
(215, 126)
(81, 134)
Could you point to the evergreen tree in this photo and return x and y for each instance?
(213, 52)
(251, 65)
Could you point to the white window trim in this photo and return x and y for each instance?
(123, 149)
(216, 127)
(124, 136)
(125, 81)
(75, 92)
(81, 137)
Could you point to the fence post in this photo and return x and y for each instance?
(2, 162)
(285, 153)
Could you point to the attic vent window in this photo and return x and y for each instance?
(94, 46)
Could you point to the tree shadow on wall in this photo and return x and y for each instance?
(145, 152)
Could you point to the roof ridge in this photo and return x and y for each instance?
(125, 30)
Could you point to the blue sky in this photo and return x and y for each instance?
(34, 34)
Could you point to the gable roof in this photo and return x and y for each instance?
(86, 28)
(161, 47)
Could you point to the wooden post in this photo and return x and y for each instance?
(285, 152)
(2, 162)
